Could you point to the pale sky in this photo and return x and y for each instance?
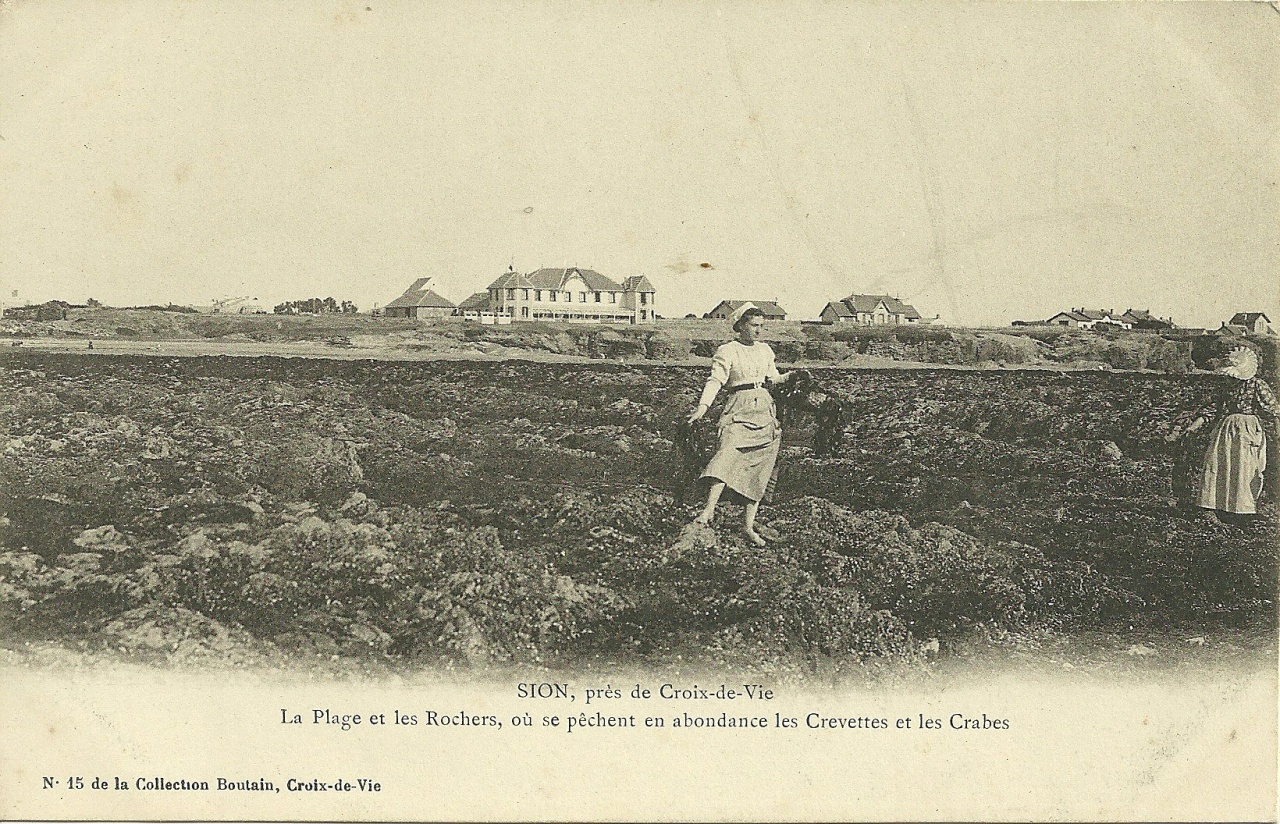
(986, 162)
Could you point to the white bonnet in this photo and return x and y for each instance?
(1242, 363)
(740, 311)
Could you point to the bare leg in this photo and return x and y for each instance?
(713, 498)
(749, 523)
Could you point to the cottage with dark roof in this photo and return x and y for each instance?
(725, 309)
(571, 294)
(1256, 323)
(419, 301)
(870, 310)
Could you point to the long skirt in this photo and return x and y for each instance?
(1233, 465)
(749, 440)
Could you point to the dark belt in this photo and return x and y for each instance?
(743, 386)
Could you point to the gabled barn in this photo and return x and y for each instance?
(419, 301)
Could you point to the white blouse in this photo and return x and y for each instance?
(735, 363)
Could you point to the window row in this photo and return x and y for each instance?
(525, 313)
(555, 296)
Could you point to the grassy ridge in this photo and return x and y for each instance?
(669, 340)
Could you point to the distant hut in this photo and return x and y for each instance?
(419, 301)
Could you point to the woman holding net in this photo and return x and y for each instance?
(750, 434)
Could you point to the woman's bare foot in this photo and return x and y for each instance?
(754, 537)
(765, 532)
(704, 518)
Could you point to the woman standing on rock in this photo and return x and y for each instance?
(1236, 459)
(749, 431)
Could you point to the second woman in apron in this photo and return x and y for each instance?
(1232, 474)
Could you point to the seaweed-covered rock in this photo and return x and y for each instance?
(661, 346)
(102, 539)
(614, 345)
(175, 633)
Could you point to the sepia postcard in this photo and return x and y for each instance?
(680, 411)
